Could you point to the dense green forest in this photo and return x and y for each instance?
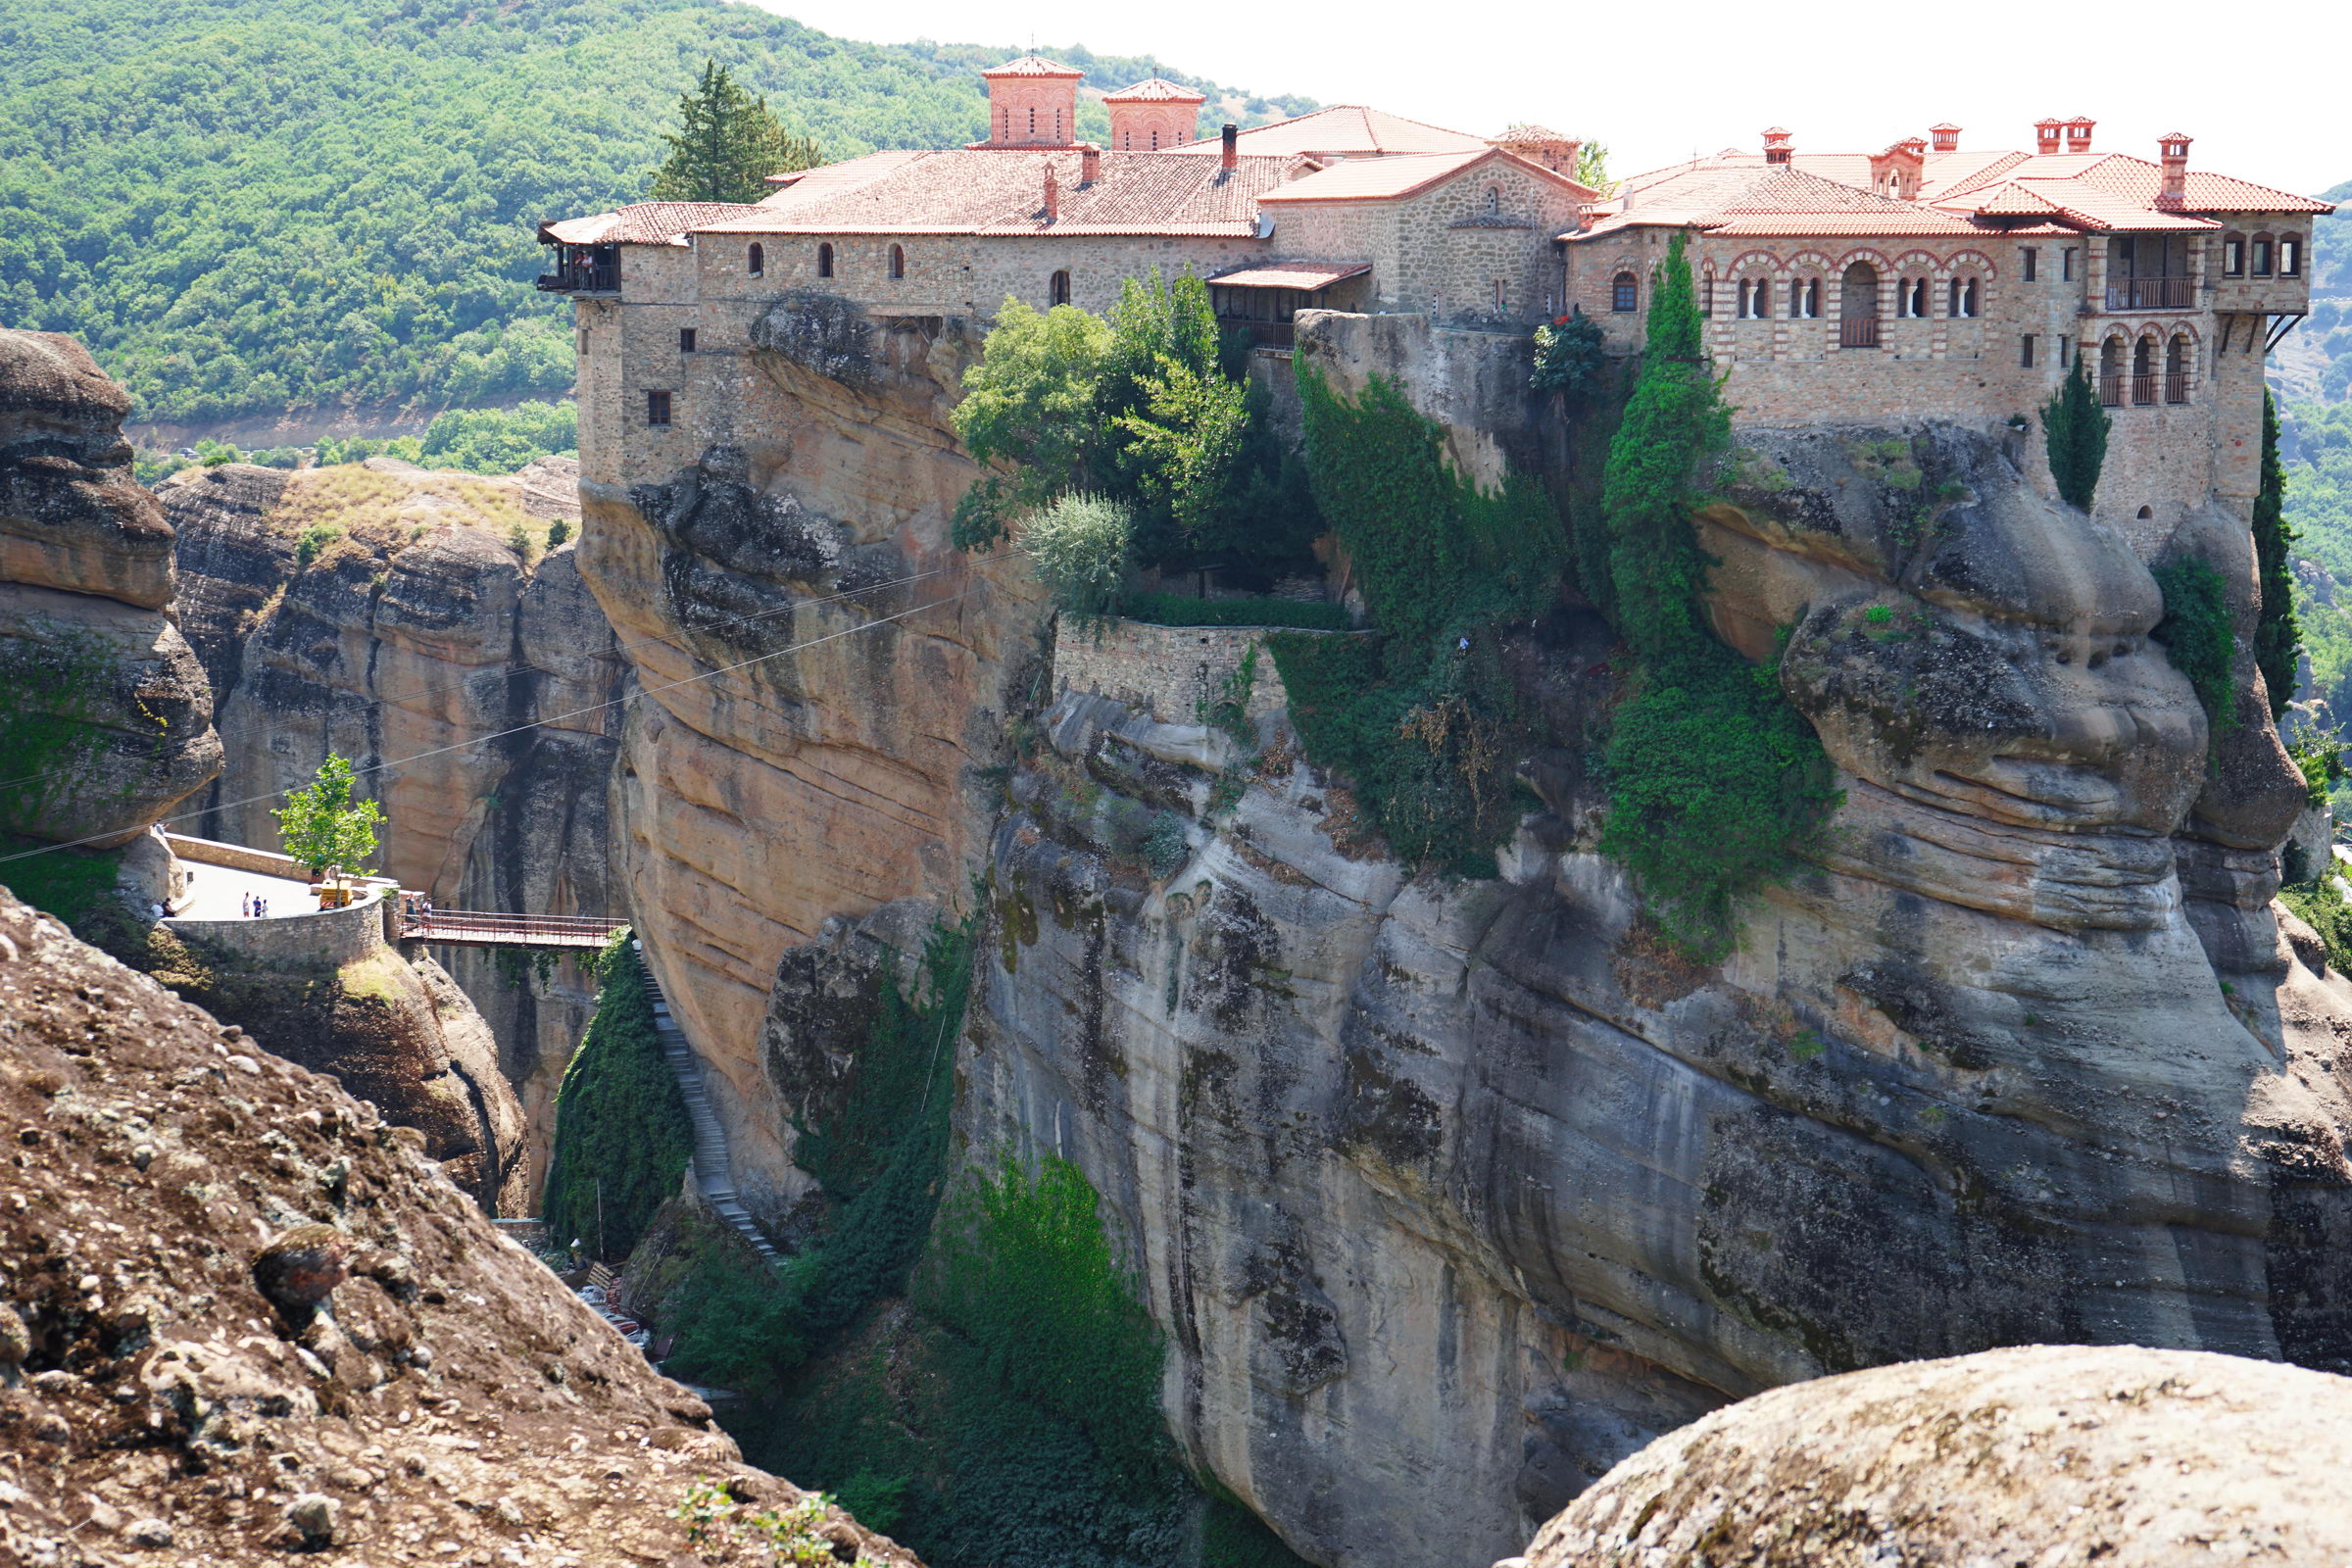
(2315, 444)
(244, 206)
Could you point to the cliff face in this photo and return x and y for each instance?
(108, 718)
(409, 623)
(1478, 1183)
(758, 793)
(241, 1316)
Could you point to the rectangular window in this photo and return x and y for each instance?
(656, 408)
(2262, 257)
(2234, 257)
(2032, 260)
(2291, 257)
(685, 340)
(2024, 352)
(2065, 354)
(2066, 264)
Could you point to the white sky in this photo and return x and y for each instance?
(1658, 82)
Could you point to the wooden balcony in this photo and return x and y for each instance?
(1858, 332)
(600, 279)
(2151, 294)
(2139, 391)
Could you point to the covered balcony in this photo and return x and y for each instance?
(1264, 301)
(584, 269)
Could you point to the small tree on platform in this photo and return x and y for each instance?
(322, 825)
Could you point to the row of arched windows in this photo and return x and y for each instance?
(2262, 256)
(2147, 369)
(1913, 298)
(754, 260)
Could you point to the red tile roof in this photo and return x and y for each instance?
(1154, 90)
(1001, 191)
(1033, 66)
(1309, 275)
(1357, 179)
(643, 224)
(1344, 130)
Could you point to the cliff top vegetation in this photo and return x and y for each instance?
(245, 206)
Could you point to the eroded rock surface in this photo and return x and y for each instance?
(2056, 1454)
(241, 1316)
(108, 721)
(414, 625)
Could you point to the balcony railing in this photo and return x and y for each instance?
(2177, 388)
(1263, 334)
(2141, 390)
(603, 277)
(1858, 332)
(2151, 294)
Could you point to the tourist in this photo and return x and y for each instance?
(245, 906)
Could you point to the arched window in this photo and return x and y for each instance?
(1625, 292)
(1963, 301)
(1858, 307)
(824, 260)
(1058, 289)
(756, 261)
(2178, 356)
(2146, 513)
(1706, 293)
(2262, 256)
(2291, 256)
(2111, 371)
(1498, 304)
(1804, 299)
(1915, 298)
(2233, 255)
(897, 261)
(1493, 199)
(2143, 372)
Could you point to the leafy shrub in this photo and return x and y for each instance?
(1081, 548)
(1030, 402)
(558, 531)
(2323, 908)
(1166, 847)
(2319, 756)
(2073, 433)
(1174, 609)
(737, 1324)
(2198, 637)
(312, 540)
(1569, 357)
(622, 1135)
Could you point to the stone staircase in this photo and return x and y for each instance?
(712, 1173)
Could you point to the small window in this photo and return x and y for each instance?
(1493, 199)
(2066, 264)
(1707, 295)
(1914, 298)
(1499, 308)
(1625, 292)
(2262, 256)
(2032, 260)
(2066, 355)
(1058, 289)
(656, 408)
(754, 260)
(1804, 299)
(2233, 256)
(2291, 256)
(897, 261)
(2024, 351)
(685, 340)
(2146, 513)
(824, 260)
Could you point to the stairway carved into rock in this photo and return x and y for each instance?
(712, 1174)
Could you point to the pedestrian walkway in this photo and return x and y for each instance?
(217, 892)
(714, 1175)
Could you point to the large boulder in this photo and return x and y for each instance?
(2048, 1454)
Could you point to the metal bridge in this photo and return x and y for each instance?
(478, 928)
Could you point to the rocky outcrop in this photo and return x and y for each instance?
(761, 791)
(240, 1315)
(2050, 1454)
(399, 615)
(107, 722)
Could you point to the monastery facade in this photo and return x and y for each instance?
(1922, 282)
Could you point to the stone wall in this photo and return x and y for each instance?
(334, 937)
(1174, 674)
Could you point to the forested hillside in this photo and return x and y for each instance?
(245, 206)
(2313, 378)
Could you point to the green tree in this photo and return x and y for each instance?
(322, 825)
(726, 145)
(1030, 403)
(1593, 166)
(2073, 431)
(1081, 548)
(2278, 638)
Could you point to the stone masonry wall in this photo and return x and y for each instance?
(1171, 673)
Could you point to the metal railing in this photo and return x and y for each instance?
(1858, 332)
(2151, 294)
(485, 927)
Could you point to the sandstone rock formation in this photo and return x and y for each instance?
(107, 726)
(2053, 1454)
(448, 1400)
(411, 623)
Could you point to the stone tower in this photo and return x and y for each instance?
(1151, 115)
(1538, 144)
(1032, 102)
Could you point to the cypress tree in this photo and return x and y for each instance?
(2278, 639)
(726, 145)
(2074, 430)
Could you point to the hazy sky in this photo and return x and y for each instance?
(1659, 81)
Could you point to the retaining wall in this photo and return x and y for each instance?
(328, 935)
(1171, 673)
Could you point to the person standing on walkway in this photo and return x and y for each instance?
(245, 905)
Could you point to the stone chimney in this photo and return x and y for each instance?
(1232, 151)
(2175, 156)
(1089, 165)
(2045, 136)
(1776, 146)
(1946, 137)
(2078, 134)
(1053, 193)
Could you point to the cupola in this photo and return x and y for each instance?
(1776, 146)
(1154, 114)
(2045, 135)
(1946, 137)
(1032, 102)
(2078, 134)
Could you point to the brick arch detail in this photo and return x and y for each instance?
(1864, 253)
(1973, 261)
(1753, 261)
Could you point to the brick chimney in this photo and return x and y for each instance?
(1231, 153)
(2045, 136)
(1053, 193)
(1916, 146)
(1090, 164)
(2174, 150)
(1776, 146)
(1946, 137)
(2078, 134)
